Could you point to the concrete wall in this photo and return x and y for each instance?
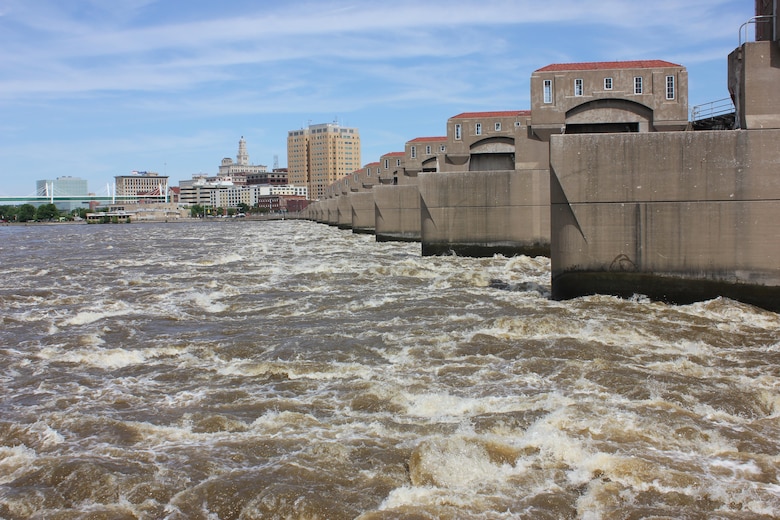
(344, 211)
(484, 213)
(651, 109)
(363, 212)
(753, 79)
(330, 211)
(676, 216)
(397, 212)
(498, 132)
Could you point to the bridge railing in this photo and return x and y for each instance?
(712, 109)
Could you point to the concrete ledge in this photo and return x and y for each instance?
(675, 166)
(396, 237)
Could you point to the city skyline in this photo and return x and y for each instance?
(170, 87)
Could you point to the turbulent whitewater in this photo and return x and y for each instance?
(241, 370)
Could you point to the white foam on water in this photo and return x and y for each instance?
(300, 370)
(105, 358)
(552, 326)
(337, 371)
(370, 303)
(156, 437)
(461, 463)
(46, 436)
(731, 315)
(209, 302)
(768, 396)
(556, 446)
(445, 407)
(431, 496)
(91, 340)
(215, 260)
(98, 313)
(737, 469)
(684, 366)
(15, 461)
(441, 405)
(275, 423)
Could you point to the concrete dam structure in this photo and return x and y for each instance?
(679, 217)
(682, 216)
(606, 175)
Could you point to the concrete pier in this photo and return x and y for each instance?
(363, 212)
(344, 211)
(678, 217)
(330, 211)
(397, 212)
(482, 213)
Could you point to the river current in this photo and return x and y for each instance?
(291, 370)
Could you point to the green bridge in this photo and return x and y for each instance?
(42, 199)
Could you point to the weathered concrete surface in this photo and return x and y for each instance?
(678, 217)
(397, 212)
(482, 213)
(344, 211)
(363, 212)
(330, 211)
(754, 75)
(314, 211)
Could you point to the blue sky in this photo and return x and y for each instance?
(98, 88)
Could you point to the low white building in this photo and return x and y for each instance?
(233, 196)
(200, 190)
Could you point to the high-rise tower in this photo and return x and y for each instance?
(318, 155)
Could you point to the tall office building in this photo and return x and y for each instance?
(321, 154)
(150, 184)
(66, 186)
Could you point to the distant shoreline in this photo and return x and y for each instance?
(156, 221)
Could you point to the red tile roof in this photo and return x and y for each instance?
(394, 154)
(371, 164)
(606, 65)
(418, 139)
(505, 113)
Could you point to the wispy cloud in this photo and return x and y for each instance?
(72, 52)
(103, 85)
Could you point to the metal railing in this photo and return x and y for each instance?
(712, 109)
(766, 18)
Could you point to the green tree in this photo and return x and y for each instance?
(26, 212)
(47, 212)
(8, 212)
(243, 207)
